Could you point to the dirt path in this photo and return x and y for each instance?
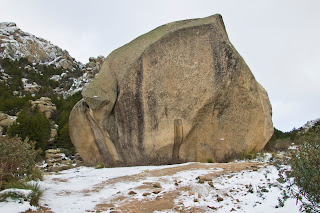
(149, 195)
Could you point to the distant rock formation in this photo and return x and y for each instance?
(6, 120)
(15, 44)
(178, 93)
(45, 105)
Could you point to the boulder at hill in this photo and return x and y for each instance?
(180, 92)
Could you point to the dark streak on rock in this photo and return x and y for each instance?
(139, 105)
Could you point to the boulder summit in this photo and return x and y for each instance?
(178, 93)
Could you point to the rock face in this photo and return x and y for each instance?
(45, 105)
(6, 120)
(180, 92)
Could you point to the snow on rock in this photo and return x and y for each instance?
(309, 125)
(15, 44)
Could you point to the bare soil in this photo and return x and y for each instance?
(126, 202)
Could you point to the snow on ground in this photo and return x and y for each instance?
(81, 189)
(13, 206)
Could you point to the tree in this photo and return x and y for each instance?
(34, 125)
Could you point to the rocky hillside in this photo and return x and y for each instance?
(16, 45)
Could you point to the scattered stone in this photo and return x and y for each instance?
(147, 183)
(156, 191)
(212, 207)
(191, 193)
(3, 116)
(219, 199)
(77, 157)
(132, 193)
(157, 185)
(210, 183)
(195, 200)
(201, 181)
(204, 178)
(58, 168)
(199, 195)
(53, 151)
(8, 121)
(57, 161)
(146, 194)
(67, 161)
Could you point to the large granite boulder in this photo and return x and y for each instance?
(180, 92)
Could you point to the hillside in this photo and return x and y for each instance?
(16, 44)
(33, 71)
(36, 56)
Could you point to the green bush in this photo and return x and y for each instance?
(249, 155)
(17, 160)
(305, 174)
(278, 145)
(209, 160)
(34, 125)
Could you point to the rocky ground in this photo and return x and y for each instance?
(191, 187)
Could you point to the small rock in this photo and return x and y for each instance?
(201, 181)
(157, 185)
(199, 195)
(146, 194)
(66, 161)
(212, 207)
(191, 193)
(195, 200)
(51, 155)
(210, 183)
(204, 178)
(147, 183)
(132, 193)
(219, 199)
(156, 191)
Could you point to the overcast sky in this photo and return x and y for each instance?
(278, 39)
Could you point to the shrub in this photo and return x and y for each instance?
(17, 160)
(209, 160)
(249, 155)
(30, 192)
(305, 174)
(278, 145)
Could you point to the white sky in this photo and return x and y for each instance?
(279, 39)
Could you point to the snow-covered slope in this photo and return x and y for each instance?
(15, 44)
